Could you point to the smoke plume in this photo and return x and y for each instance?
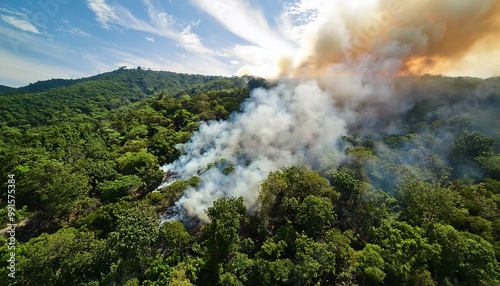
(276, 128)
(344, 79)
(406, 37)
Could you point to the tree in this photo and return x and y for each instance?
(314, 262)
(269, 273)
(52, 187)
(174, 239)
(370, 265)
(491, 164)
(220, 237)
(466, 154)
(470, 146)
(422, 203)
(283, 191)
(315, 216)
(144, 165)
(466, 259)
(136, 163)
(360, 207)
(122, 186)
(67, 257)
(135, 238)
(405, 251)
(221, 234)
(345, 256)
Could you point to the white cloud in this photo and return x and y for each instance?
(245, 21)
(253, 55)
(192, 64)
(265, 46)
(159, 23)
(298, 16)
(74, 31)
(22, 24)
(8, 10)
(191, 42)
(164, 18)
(150, 39)
(105, 14)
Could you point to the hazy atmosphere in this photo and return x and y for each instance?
(245, 142)
(68, 39)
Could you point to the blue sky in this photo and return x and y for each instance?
(46, 39)
(70, 39)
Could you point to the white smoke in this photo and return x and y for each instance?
(290, 124)
(354, 65)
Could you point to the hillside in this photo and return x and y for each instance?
(6, 89)
(147, 80)
(406, 191)
(68, 100)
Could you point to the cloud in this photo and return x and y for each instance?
(105, 14)
(158, 23)
(267, 50)
(257, 60)
(245, 21)
(150, 39)
(22, 24)
(191, 42)
(197, 64)
(73, 31)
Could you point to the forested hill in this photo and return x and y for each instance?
(67, 100)
(413, 205)
(6, 89)
(66, 145)
(147, 80)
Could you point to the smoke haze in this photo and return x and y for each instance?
(407, 37)
(345, 78)
(276, 128)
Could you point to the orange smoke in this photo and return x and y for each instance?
(401, 37)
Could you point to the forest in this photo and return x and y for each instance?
(419, 205)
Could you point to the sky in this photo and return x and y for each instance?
(70, 39)
(47, 39)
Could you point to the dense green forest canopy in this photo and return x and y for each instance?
(417, 207)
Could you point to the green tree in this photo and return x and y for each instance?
(315, 216)
(283, 191)
(370, 265)
(135, 237)
(122, 186)
(471, 145)
(423, 203)
(174, 239)
(221, 236)
(144, 165)
(67, 257)
(405, 251)
(466, 259)
(314, 262)
(53, 187)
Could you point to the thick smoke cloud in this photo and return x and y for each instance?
(408, 37)
(290, 124)
(347, 80)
